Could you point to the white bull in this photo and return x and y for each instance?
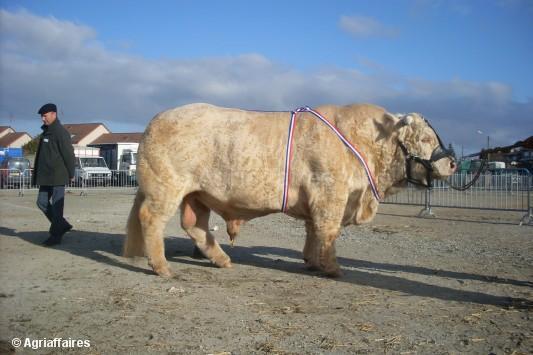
(201, 157)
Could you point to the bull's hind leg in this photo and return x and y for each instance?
(154, 215)
(195, 221)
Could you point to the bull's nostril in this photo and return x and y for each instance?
(453, 165)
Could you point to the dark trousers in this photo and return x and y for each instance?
(51, 201)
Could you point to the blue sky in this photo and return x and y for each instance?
(466, 65)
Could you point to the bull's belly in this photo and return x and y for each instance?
(239, 205)
(241, 193)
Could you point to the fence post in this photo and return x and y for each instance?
(22, 182)
(83, 188)
(529, 215)
(426, 211)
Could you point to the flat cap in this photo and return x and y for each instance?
(47, 108)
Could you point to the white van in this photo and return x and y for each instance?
(91, 169)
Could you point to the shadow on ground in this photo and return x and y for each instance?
(91, 245)
(477, 221)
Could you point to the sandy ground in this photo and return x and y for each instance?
(458, 283)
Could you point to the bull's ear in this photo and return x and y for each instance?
(392, 123)
(386, 125)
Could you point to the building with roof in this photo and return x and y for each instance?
(5, 130)
(517, 155)
(114, 138)
(14, 139)
(83, 134)
(119, 151)
(521, 154)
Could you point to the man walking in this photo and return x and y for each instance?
(54, 168)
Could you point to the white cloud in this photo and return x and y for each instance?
(363, 27)
(44, 38)
(49, 60)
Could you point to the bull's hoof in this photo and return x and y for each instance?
(226, 265)
(219, 258)
(311, 266)
(222, 261)
(166, 273)
(334, 272)
(163, 270)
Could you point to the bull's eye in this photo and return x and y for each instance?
(426, 139)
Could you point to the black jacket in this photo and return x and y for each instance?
(54, 163)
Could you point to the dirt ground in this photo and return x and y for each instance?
(458, 283)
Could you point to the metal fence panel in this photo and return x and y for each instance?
(508, 192)
(14, 179)
(409, 196)
(21, 181)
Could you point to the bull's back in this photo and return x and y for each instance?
(227, 154)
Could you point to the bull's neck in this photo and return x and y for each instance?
(388, 164)
(383, 154)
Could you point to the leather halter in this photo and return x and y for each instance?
(440, 152)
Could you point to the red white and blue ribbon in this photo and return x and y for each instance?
(351, 147)
(288, 158)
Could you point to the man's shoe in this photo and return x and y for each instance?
(52, 240)
(67, 228)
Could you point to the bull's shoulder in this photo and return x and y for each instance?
(364, 109)
(350, 113)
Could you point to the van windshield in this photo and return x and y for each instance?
(20, 164)
(129, 157)
(93, 163)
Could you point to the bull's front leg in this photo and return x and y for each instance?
(323, 228)
(326, 237)
(312, 248)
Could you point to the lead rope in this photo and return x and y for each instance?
(351, 147)
(472, 182)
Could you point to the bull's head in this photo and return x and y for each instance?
(425, 155)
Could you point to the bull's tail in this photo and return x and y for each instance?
(134, 243)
